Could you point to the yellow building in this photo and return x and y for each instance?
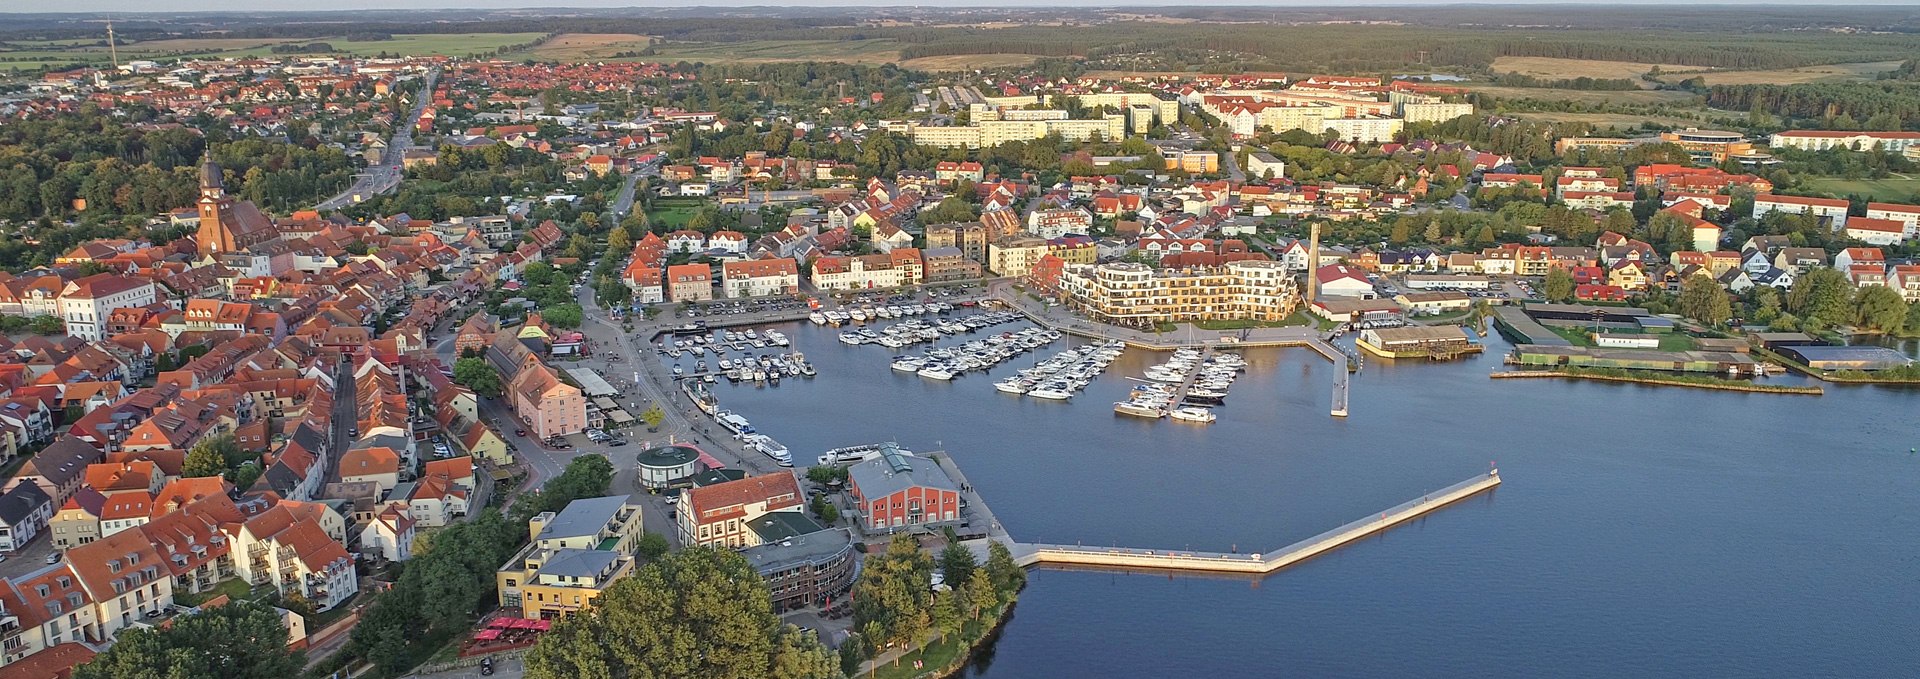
(1072, 251)
(1192, 162)
(1015, 256)
(574, 556)
(1136, 295)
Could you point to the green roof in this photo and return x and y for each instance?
(777, 526)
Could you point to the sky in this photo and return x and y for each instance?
(310, 5)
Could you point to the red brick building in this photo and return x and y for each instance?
(898, 490)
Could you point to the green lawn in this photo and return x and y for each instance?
(1891, 189)
(1672, 341)
(671, 217)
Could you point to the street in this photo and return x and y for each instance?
(386, 175)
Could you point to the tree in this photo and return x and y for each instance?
(1007, 578)
(213, 456)
(48, 325)
(203, 461)
(479, 375)
(1820, 299)
(894, 594)
(952, 209)
(653, 416)
(1401, 232)
(1559, 285)
(701, 612)
(956, 565)
(241, 640)
(652, 545)
(567, 315)
(1702, 299)
(1879, 308)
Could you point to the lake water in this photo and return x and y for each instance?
(1641, 531)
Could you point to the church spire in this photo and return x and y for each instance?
(210, 183)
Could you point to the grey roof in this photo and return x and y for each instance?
(894, 471)
(579, 563)
(63, 461)
(813, 548)
(585, 516)
(21, 502)
(1865, 357)
(397, 443)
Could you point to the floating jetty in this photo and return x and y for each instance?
(1028, 554)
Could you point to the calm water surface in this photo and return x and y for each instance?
(1641, 531)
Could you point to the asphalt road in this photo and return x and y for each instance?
(384, 177)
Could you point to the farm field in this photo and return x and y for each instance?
(1889, 190)
(959, 62)
(451, 44)
(1585, 96)
(589, 46)
(1791, 76)
(417, 44)
(774, 51)
(1615, 120)
(1551, 67)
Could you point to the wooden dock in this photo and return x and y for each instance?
(1027, 554)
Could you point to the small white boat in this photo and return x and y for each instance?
(1139, 409)
(1050, 393)
(909, 365)
(817, 318)
(1192, 414)
(1011, 386)
(937, 371)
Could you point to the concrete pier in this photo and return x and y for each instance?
(1027, 554)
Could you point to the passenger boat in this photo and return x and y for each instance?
(1192, 414)
(771, 448)
(733, 422)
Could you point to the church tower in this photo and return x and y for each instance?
(213, 236)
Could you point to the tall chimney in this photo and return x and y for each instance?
(1313, 262)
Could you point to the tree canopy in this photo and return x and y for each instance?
(702, 613)
(240, 640)
(479, 375)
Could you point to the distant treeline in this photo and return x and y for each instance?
(1878, 105)
(1580, 83)
(1356, 48)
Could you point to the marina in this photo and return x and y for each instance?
(1285, 471)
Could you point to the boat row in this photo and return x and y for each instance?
(767, 368)
(870, 312)
(720, 342)
(1183, 387)
(946, 363)
(916, 331)
(1065, 374)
